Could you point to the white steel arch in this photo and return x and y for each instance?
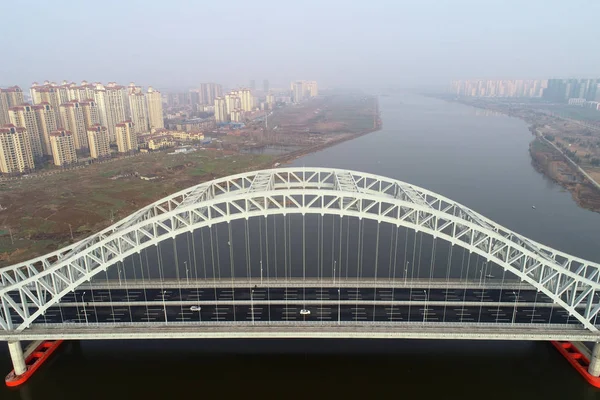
(40, 283)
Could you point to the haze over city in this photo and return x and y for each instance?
(324, 196)
(179, 43)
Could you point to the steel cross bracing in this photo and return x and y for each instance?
(569, 281)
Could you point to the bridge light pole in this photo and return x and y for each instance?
(164, 305)
(515, 308)
(425, 308)
(261, 272)
(119, 276)
(406, 272)
(339, 307)
(252, 305)
(334, 266)
(84, 312)
(187, 276)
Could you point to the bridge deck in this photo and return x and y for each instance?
(314, 330)
(309, 282)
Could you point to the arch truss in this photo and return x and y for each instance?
(29, 288)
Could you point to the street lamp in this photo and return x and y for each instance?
(164, 305)
(119, 276)
(84, 312)
(339, 307)
(425, 308)
(515, 308)
(261, 272)
(252, 305)
(334, 266)
(406, 272)
(187, 276)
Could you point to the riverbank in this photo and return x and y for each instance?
(562, 150)
(44, 213)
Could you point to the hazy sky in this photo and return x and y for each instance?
(175, 43)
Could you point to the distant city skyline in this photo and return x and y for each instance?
(338, 43)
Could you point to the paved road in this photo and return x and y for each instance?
(330, 312)
(324, 304)
(311, 293)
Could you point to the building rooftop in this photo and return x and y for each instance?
(60, 133)
(10, 128)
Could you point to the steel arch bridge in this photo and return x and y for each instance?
(29, 288)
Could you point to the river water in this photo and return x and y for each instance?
(475, 158)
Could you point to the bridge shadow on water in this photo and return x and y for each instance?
(187, 369)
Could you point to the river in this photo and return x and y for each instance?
(480, 160)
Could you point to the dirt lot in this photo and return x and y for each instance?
(43, 213)
(40, 213)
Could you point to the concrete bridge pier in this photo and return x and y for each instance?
(16, 355)
(594, 368)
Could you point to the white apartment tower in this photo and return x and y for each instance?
(99, 141)
(47, 93)
(46, 122)
(155, 109)
(302, 90)
(208, 92)
(139, 112)
(74, 123)
(91, 115)
(9, 97)
(111, 106)
(15, 150)
(126, 137)
(246, 99)
(232, 101)
(25, 117)
(63, 148)
(220, 110)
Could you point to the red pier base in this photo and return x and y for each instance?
(33, 361)
(578, 360)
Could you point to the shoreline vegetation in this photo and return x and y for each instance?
(563, 150)
(40, 214)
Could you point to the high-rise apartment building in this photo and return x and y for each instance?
(62, 143)
(302, 90)
(111, 106)
(139, 112)
(24, 116)
(15, 150)
(46, 122)
(91, 115)
(9, 97)
(221, 110)
(82, 92)
(155, 109)
(47, 93)
(271, 100)
(99, 141)
(500, 88)
(237, 115)
(74, 123)
(232, 101)
(64, 92)
(208, 92)
(561, 90)
(126, 137)
(246, 99)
